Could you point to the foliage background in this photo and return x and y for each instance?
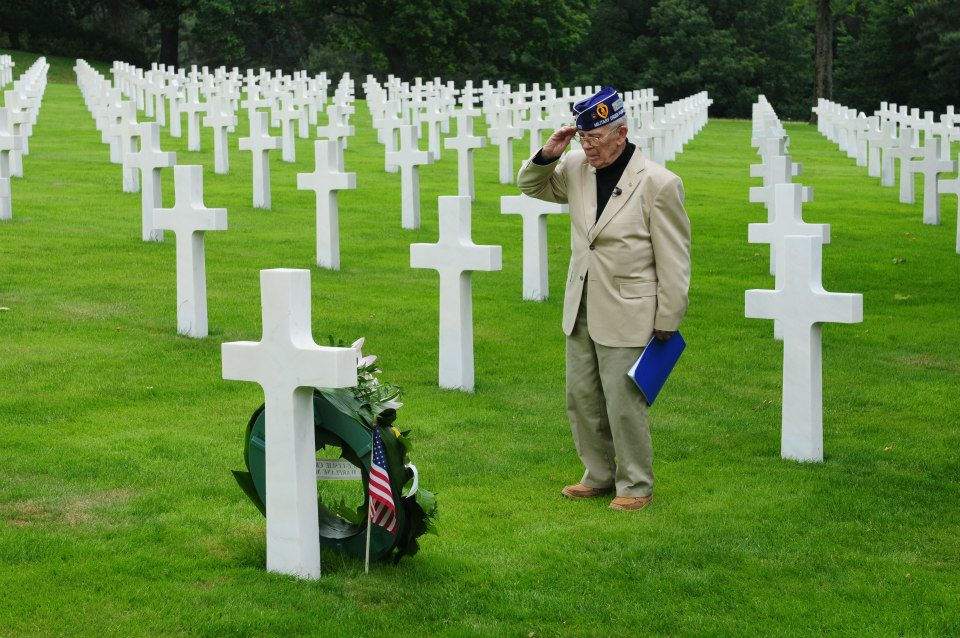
(904, 51)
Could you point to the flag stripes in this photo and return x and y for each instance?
(383, 512)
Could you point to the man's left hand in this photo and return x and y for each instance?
(663, 335)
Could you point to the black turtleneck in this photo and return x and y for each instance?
(607, 177)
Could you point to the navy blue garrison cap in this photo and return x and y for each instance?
(600, 108)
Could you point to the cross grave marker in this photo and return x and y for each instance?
(149, 160)
(221, 119)
(534, 214)
(931, 166)
(455, 257)
(287, 364)
(9, 142)
(409, 158)
(189, 219)
(325, 181)
(260, 143)
(801, 304)
(465, 142)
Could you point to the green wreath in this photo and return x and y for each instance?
(344, 418)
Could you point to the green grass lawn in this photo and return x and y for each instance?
(119, 516)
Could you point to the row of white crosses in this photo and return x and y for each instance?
(189, 218)
(288, 107)
(893, 134)
(293, 102)
(663, 131)
(688, 116)
(400, 108)
(776, 167)
(798, 304)
(326, 180)
(133, 145)
(21, 104)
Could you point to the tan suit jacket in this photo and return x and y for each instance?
(636, 257)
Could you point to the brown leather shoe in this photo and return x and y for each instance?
(630, 503)
(582, 491)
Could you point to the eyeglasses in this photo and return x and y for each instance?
(595, 140)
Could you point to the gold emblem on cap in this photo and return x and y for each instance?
(602, 110)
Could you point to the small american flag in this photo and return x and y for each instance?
(382, 510)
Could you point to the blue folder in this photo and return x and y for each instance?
(656, 362)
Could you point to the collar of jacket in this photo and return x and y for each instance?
(632, 175)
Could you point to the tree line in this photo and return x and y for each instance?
(858, 52)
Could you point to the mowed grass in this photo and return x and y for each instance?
(119, 516)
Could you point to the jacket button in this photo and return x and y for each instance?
(581, 277)
(592, 247)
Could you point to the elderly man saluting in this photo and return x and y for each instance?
(628, 279)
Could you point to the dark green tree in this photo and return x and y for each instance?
(901, 51)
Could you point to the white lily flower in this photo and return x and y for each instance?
(367, 360)
(358, 344)
(396, 405)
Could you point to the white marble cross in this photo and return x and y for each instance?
(771, 147)
(286, 115)
(337, 129)
(887, 145)
(778, 169)
(221, 119)
(189, 218)
(953, 186)
(464, 142)
(534, 213)
(535, 124)
(19, 121)
(455, 256)
(288, 365)
(388, 128)
(434, 118)
(877, 134)
(260, 143)
(302, 102)
(325, 181)
(786, 218)
(159, 102)
(775, 169)
(930, 166)
(253, 101)
(9, 142)
(125, 130)
(408, 158)
(502, 133)
(149, 160)
(173, 96)
(801, 304)
(906, 151)
(193, 107)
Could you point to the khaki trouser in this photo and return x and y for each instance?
(608, 414)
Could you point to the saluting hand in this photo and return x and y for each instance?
(558, 142)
